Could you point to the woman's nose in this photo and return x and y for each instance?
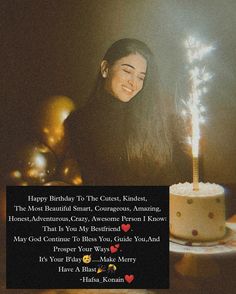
(131, 81)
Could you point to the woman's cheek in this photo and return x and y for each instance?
(124, 76)
(140, 86)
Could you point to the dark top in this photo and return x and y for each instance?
(97, 134)
(97, 137)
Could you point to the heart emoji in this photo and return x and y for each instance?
(129, 278)
(125, 227)
(114, 249)
(117, 245)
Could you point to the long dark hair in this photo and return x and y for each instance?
(149, 138)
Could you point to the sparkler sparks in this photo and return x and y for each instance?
(198, 75)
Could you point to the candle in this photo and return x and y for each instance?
(198, 79)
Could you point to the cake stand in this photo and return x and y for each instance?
(199, 259)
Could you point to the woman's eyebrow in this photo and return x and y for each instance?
(126, 64)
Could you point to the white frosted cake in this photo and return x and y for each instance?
(197, 215)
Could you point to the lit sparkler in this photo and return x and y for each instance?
(193, 108)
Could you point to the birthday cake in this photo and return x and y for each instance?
(197, 215)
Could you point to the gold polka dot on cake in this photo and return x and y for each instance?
(221, 228)
(190, 201)
(218, 200)
(178, 214)
(211, 215)
(194, 232)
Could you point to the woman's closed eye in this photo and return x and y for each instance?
(141, 78)
(127, 70)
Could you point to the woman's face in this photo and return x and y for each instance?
(125, 78)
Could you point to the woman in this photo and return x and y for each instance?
(121, 137)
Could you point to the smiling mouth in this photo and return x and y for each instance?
(128, 90)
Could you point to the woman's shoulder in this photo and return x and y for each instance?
(72, 117)
(75, 128)
(77, 117)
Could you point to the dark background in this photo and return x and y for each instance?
(54, 48)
